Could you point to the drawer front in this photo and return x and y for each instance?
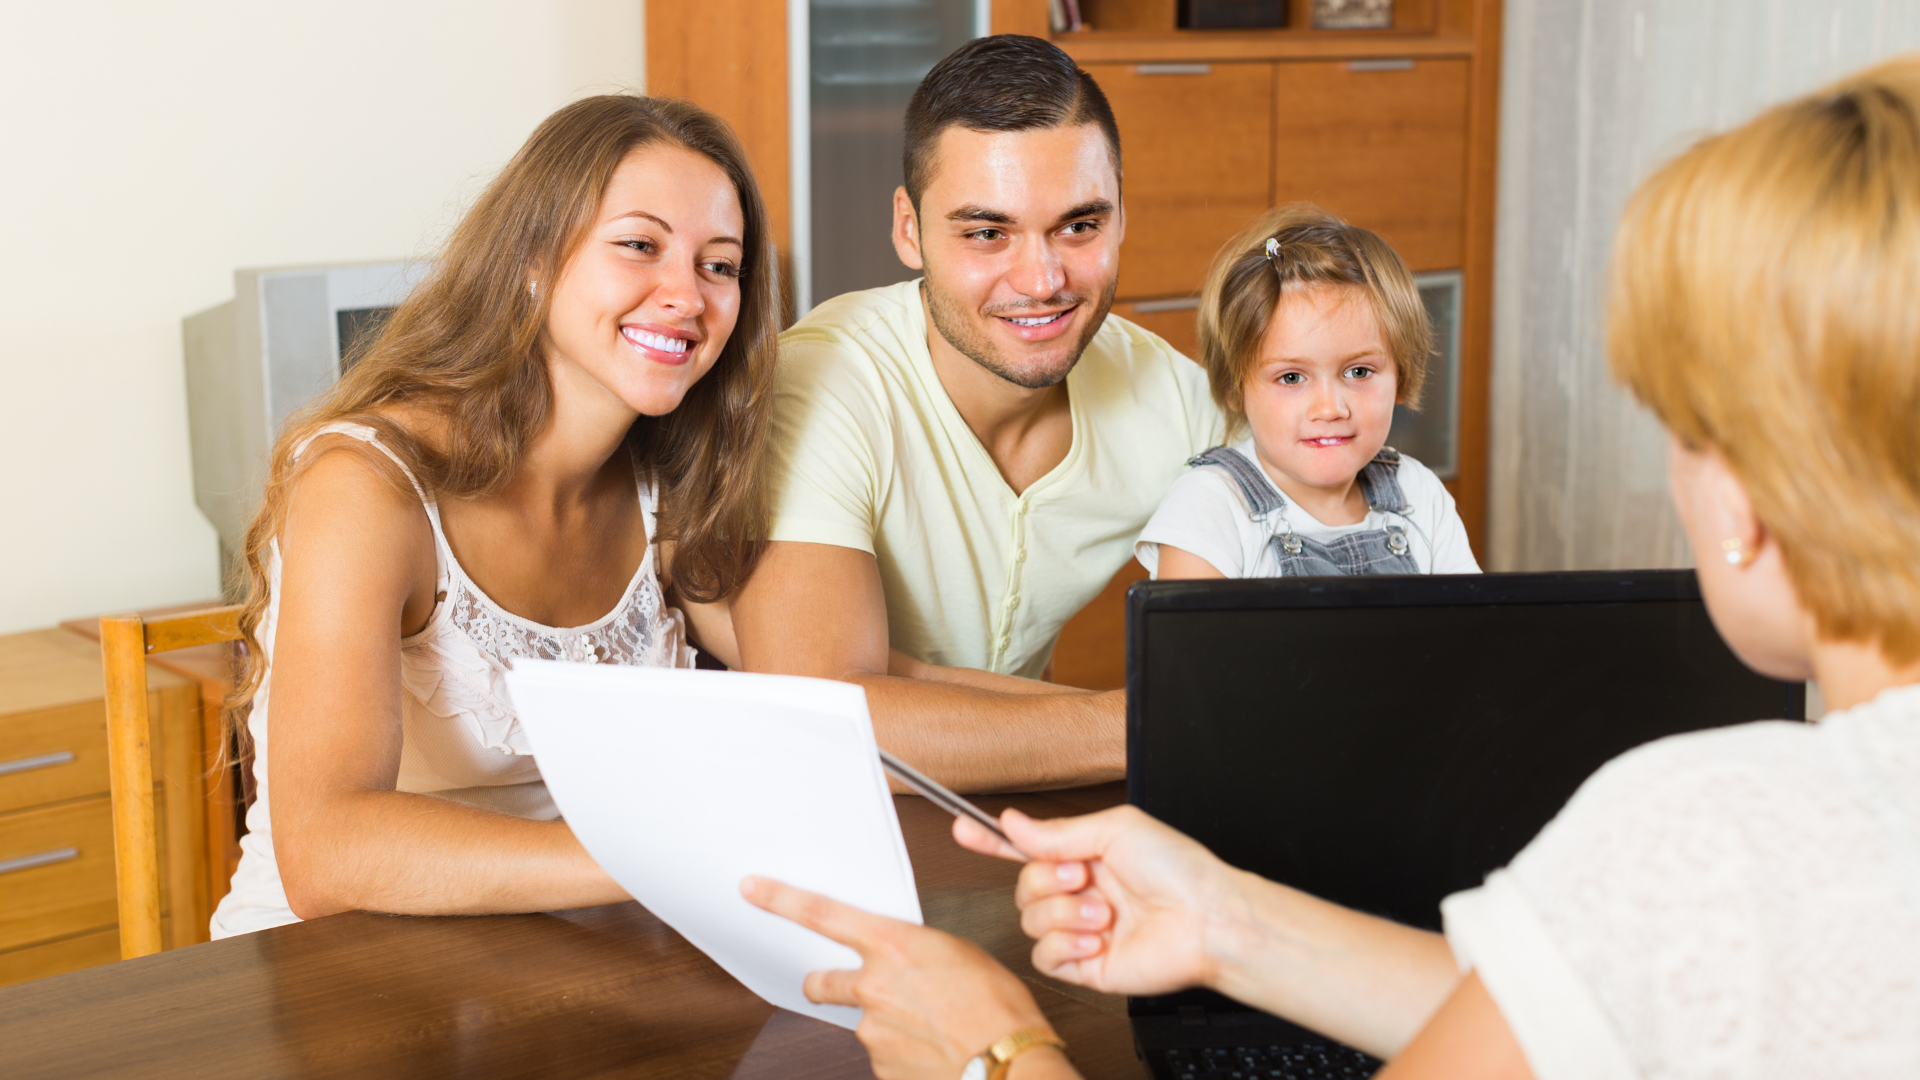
(1197, 141)
(56, 872)
(50, 755)
(59, 957)
(1177, 320)
(1384, 145)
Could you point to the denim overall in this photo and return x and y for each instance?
(1371, 551)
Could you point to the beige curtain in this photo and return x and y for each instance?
(1595, 94)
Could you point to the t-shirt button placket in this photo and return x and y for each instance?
(1012, 602)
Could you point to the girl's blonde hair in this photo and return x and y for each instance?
(1309, 247)
(466, 345)
(1765, 302)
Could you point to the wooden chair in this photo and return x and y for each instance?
(125, 642)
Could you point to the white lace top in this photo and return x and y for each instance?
(1734, 903)
(460, 737)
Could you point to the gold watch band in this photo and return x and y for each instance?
(1003, 1052)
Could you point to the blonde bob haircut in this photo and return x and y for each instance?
(1310, 247)
(1765, 304)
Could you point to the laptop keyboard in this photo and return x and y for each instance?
(1309, 1062)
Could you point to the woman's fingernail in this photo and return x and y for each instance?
(1091, 911)
(1089, 944)
(1067, 872)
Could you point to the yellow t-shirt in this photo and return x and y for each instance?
(869, 452)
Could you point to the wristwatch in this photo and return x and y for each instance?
(993, 1062)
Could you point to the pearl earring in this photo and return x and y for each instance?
(1736, 553)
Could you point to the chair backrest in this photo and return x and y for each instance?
(125, 642)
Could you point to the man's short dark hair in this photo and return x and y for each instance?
(1007, 82)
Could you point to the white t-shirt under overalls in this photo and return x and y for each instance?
(1207, 513)
(460, 737)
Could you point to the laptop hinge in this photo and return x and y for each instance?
(1193, 1016)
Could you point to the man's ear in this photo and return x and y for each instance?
(906, 230)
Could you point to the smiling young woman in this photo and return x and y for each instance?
(551, 450)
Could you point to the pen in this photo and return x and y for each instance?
(944, 799)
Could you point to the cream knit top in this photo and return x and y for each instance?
(460, 737)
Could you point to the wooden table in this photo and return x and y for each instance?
(599, 992)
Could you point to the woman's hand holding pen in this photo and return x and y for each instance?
(1124, 904)
(1115, 901)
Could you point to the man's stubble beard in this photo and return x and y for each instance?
(954, 323)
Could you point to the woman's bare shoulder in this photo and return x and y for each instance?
(357, 536)
(346, 493)
(339, 460)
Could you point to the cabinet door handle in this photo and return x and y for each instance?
(61, 757)
(1183, 303)
(1398, 64)
(1173, 69)
(45, 858)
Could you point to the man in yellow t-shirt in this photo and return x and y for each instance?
(960, 463)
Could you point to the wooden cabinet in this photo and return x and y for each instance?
(1392, 129)
(1175, 319)
(63, 884)
(1382, 143)
(1182, 205)
(57, 900)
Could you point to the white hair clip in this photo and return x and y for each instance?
(1273, 247)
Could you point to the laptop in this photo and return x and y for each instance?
(1384, 742)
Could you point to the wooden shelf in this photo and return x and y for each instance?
(1148, 46)
(1143, 31)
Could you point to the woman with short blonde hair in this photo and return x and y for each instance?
(1742, 901)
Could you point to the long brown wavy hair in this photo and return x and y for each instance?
(468, 345)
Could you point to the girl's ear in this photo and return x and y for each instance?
(1399, 384)
(1235, 408)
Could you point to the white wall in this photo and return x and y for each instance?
(1595, 95)
(149, 149)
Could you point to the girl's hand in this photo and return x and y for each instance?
(1115, 901)
(930, 1000)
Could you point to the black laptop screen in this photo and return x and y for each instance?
(1385, 743)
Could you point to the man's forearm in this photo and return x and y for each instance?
(906, 667)
(978, 740)
(1367, 981)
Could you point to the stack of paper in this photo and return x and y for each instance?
(680, 783)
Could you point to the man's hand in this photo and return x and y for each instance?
(930, 1001)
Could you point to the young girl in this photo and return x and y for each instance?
(552, 450)
(1311, 330)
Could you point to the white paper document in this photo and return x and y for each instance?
(680, 783)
